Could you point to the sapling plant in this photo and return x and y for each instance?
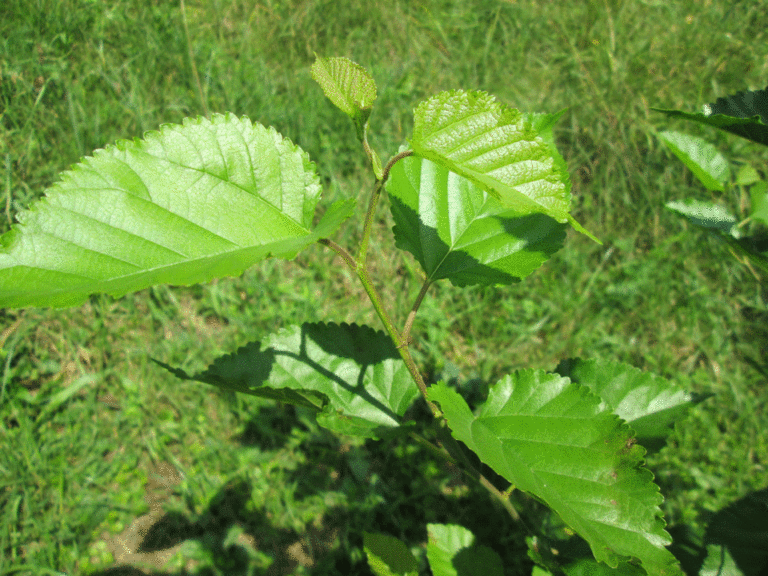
(479, 195)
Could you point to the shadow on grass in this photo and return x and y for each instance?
(384, 486)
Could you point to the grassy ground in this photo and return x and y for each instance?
(104, 451)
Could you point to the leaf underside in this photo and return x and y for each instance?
(550, 437)
(457, 231)
(473, 135)
(700, 157)
(352, 373)
(186, 204)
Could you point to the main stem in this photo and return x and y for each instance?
(449, 446)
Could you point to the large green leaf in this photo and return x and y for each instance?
(457, 231)
(701, 158)
(472, 134)
(187, 204)
(550, 437)
(650, 404)
(353, 372)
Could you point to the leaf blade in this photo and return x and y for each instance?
(459, 232)
(357, 370)
(548, 436)
(496, 147)
(347, 85)
(186, 204)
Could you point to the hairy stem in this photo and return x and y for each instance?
(346, 256)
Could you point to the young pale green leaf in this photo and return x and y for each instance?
(649, 403)
(348, 85)
(365, 385)
(389, 556)
(186, 204)
(701, 158)
(550, 437)
(472, 134)
(459, 232)
(451, 551)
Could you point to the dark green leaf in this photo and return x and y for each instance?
(451, 551)
(388, 556)
(744, 114)
(355, 371)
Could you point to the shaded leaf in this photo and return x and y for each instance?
(701, 158)
(352, 372)
(451, 551)
(457, 231)
(473, 135)
(185, 205)
(551, 438)
(389, 556)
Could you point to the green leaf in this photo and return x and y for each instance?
(701, 158)
(451, 551)
(650, 404)
(706, 215)
(457, 231)
(759, 199)
(744, 114)
(354, 372)
(472, 134)
(549, 437)
(348, 85)
(388, 556)
(186, 204)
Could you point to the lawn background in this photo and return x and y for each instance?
(101, 447)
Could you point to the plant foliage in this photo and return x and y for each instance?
(481, 197)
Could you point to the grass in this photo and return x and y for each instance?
(98, 441)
